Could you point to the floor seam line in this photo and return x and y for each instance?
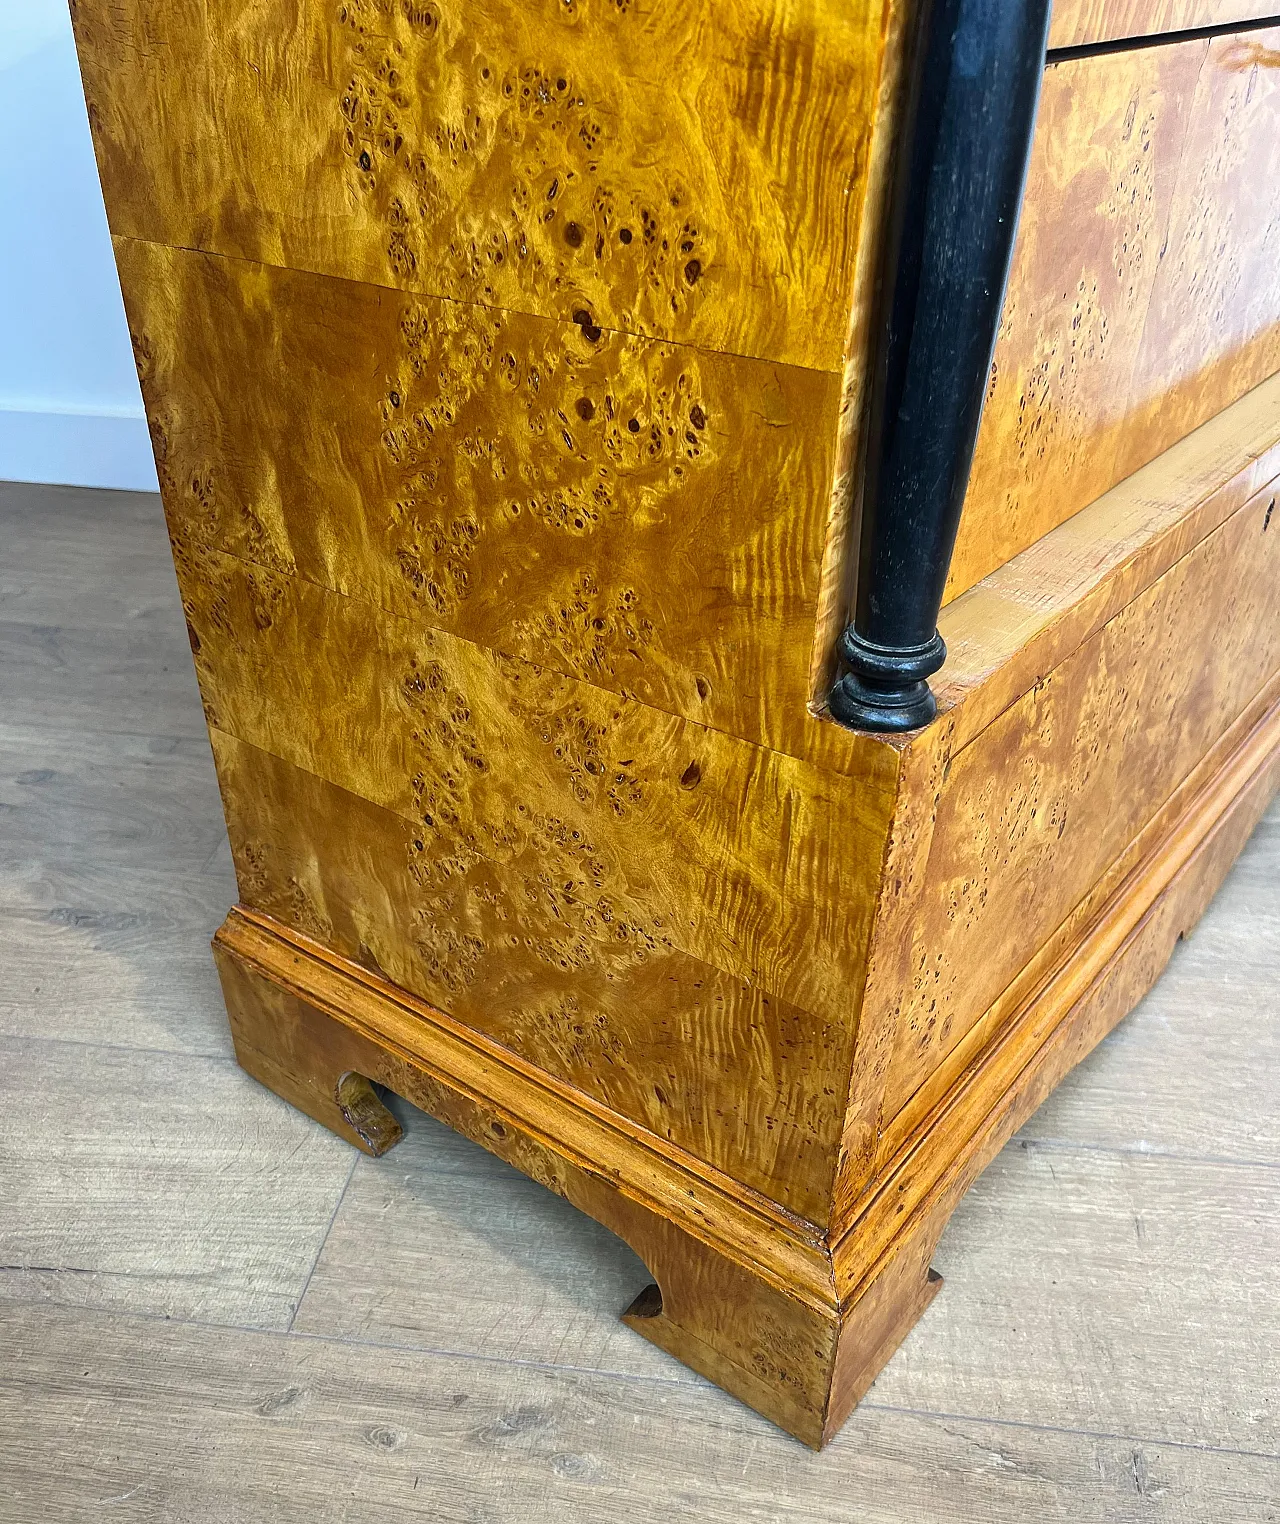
(695, 1384)
(324, 1239)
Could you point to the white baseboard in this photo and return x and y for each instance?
(75, 449)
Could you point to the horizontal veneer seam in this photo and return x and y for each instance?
(806, 1239)
(849, 764)
(844, 1017)
(1105, 941)
(421, 294)
(953, 711)
(834, 749)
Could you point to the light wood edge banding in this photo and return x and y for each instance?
(1022, 620)
(785, 1249)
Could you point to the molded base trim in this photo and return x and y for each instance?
(752, 1297)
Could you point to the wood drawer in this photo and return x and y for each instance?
(1145, 292)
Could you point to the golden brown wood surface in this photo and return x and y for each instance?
(646, 517)
(1145, 291)
(568, 980)
(487, 758)
(305, 851)
(795, 1324)
(1078, 23)
(1024, 619)
(606, 888)
(1110, 966)
(1036, 809)
(505, 368)
(652, 168)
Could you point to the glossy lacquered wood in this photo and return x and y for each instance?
(653, 170)
(1145, 292)
(648, 518)
(507, 580)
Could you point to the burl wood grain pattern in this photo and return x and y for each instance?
(1079, 23)
(540, 952)
(504, 366)
(646, 517)
(795, 1324)
(1145, 290)
(479, 752)
(560, 959)
(654, 167)
(1144, 299)
(1055, 1021)
(1010, 849)
(604, 887)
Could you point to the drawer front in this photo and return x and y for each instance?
(1145, 292)
(1050, 801)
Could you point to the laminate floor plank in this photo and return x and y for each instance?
(87, 559)
(127, 799)
(162, 1423)
(1111, 1292)
(140, 978)
(157, 1182)
(125, 682)
(112, 885)
(400, 1263)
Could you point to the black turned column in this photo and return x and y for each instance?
(962, 163)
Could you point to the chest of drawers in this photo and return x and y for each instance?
(517, 375)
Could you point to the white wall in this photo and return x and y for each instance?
(70, 410)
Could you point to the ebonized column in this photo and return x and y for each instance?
(962, 161)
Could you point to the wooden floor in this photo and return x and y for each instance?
(212, 1310)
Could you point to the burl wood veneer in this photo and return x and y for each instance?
(506, 367)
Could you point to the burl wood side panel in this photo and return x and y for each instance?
(644, 906)
(1080, 22)
(1033, 813)
(735, 847)
(655, 167)
(549, 946)
(640, 515)
(1145, 292)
